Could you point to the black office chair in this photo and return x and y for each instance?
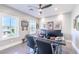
(31, 42)
(43, 47)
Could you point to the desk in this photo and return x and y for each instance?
(57, 43)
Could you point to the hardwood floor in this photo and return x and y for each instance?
(18, 49)
(23, 49)
(68, 49)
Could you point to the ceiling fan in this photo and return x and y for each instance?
(41, 7)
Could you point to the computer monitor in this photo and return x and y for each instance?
(54, 33)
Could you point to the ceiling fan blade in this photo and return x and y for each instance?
(33, 7)
(46, 6)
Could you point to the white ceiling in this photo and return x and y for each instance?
(50, 11)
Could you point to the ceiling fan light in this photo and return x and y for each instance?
(40, 10)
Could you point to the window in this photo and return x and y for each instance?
(32, 26)
(10, 27)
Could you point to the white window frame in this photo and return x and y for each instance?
(30, 25)
(15, 36)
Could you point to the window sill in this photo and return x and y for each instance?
(7, 38)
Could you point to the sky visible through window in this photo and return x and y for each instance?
(8, 21)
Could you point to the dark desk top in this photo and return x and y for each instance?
(60, 42)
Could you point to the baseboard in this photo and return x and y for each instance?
(10, 45)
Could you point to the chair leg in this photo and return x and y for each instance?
(34, 51)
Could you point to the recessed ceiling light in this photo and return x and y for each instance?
(61, 17)
(56, 9)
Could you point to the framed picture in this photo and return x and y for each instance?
(58, 26)
(76, 22)
(50, 25)
(24, 25)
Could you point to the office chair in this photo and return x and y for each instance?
(43, 47)
(31, 42)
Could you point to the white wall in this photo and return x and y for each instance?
(75, 12)
(66, 22)
(75, 33)
(12, 12)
